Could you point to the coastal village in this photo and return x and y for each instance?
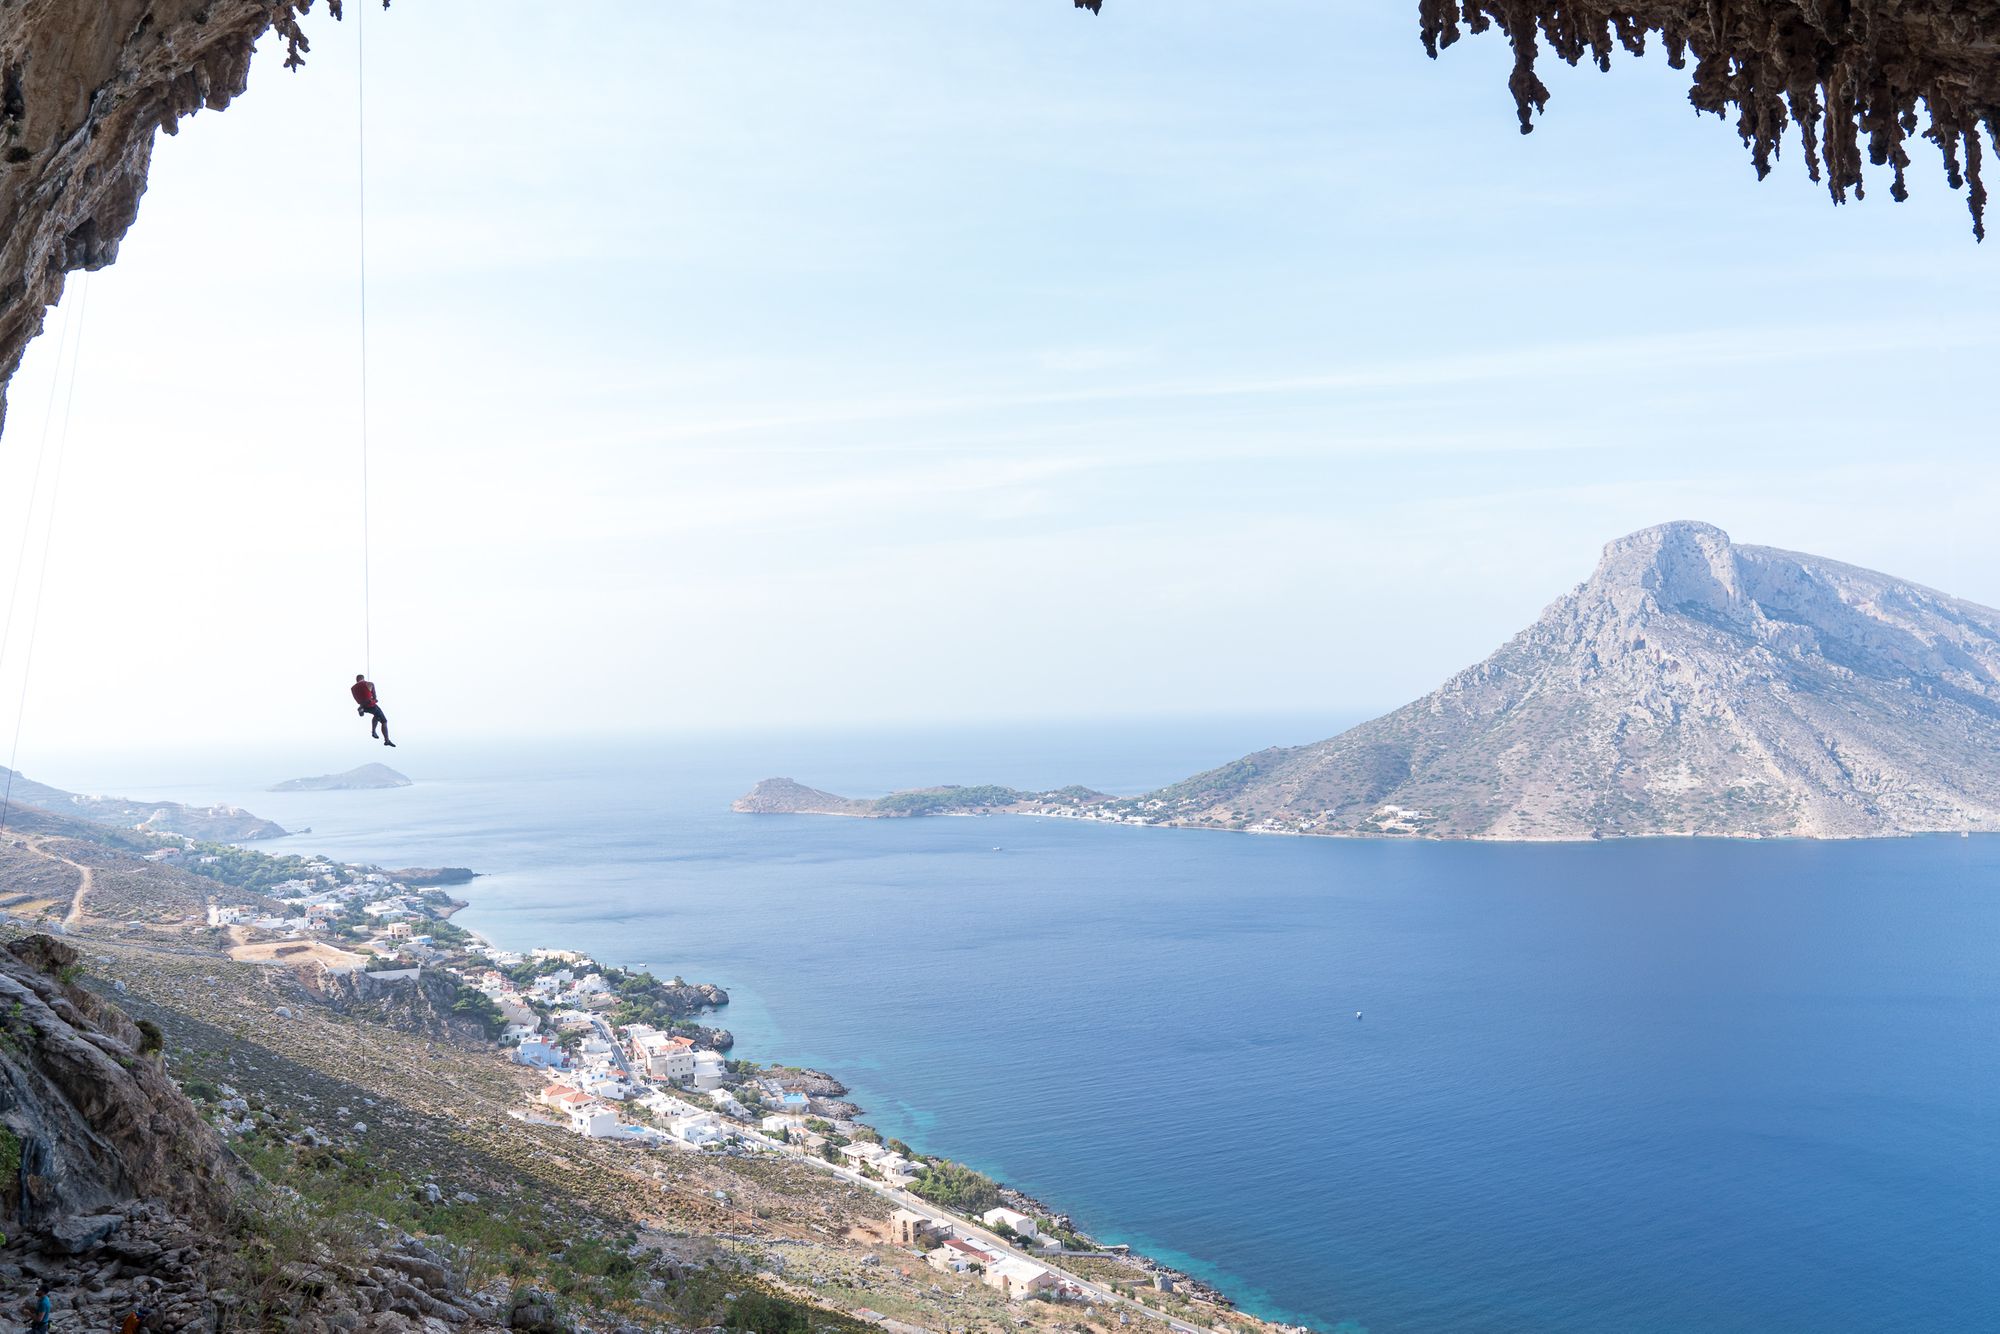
(619, 1057)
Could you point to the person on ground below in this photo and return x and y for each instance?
(363, 691)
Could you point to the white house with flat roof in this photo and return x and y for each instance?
(709, 1070)
(534, 1051)
(594, 1121)
(1011, 1218)
(698, 1130)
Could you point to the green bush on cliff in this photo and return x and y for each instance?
(761, 1313)
(957, 1187)
(478, 1005)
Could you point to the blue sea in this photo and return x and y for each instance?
(1632, 1086)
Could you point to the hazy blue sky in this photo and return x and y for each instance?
(830, 363)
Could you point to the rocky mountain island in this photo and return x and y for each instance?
(1690, 686)
(366, 778)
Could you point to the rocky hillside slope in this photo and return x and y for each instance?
(89, 1119)
(109, 1178)
(117, 1196)
(1690, 686)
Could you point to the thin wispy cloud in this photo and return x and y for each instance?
(833, 372)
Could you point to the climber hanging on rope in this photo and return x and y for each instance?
(370, 707)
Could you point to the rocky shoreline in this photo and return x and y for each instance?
(828, 1099)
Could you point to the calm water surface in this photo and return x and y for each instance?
(1645, 1086)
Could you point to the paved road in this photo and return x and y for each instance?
(617, 1052)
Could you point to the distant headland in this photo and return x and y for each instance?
(783, 796)
(366, 778)
(219, 824)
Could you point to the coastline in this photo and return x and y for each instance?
(1169, 1278)
(1386, 836)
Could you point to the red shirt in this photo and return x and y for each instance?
(364, 694)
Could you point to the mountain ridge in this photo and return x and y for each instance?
(217, 824)
(1690, 686)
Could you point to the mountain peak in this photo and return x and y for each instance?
(1685, 563)
(1689, 686)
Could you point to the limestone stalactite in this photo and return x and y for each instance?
(1857, 78)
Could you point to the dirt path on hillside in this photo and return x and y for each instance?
(83, 885)
(87, 879)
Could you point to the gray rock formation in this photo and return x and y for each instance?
(1690, 686)
(782, 796)
(84, 88)
(89, 1121)
(425, 1000)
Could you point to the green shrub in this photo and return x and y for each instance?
(957, 1187)
(762, 1314)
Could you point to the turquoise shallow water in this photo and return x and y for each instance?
(1646, 1086)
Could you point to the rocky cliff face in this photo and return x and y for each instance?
(427, 1004)
(89, 1120)
(1850, 76)
(83, 90)
(1690, 686)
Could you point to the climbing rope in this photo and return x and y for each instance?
(35, 482)
(48, 532)
(361, 233)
